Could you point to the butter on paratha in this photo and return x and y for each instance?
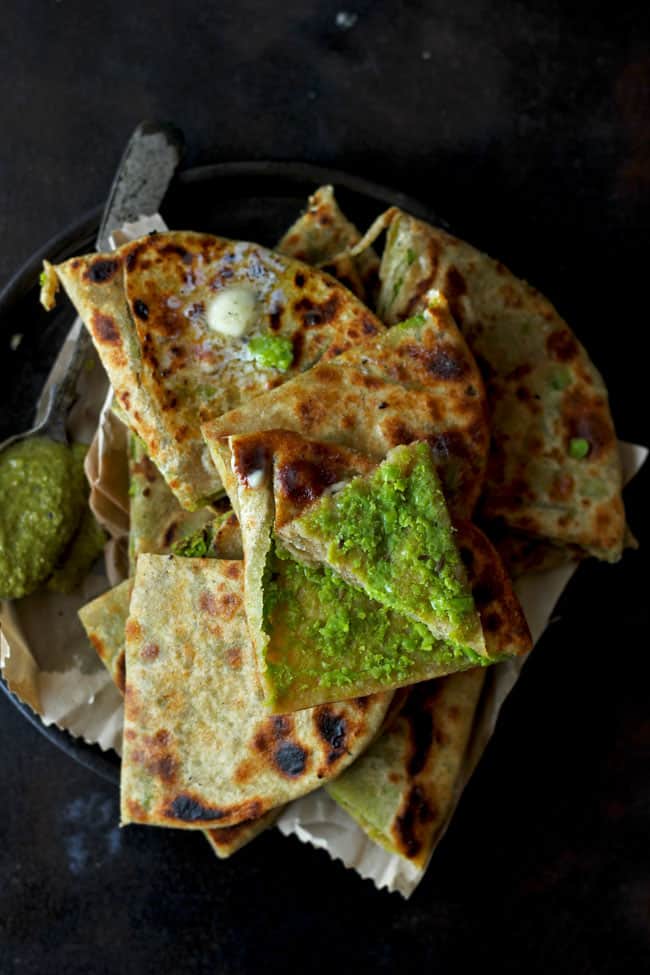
(418, 381)
(200, 748)
(401, 791)
(554, 470)
(189, 326)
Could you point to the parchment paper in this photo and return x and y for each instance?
(47, 661)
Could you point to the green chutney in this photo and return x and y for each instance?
(42, 497)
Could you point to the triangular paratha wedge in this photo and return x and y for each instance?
(104, 620)
(418, 381)
(390, 534)
(200, 748)
(156, 519)
(554, 469)
(189, 326)
(322, 235)
(402, 789)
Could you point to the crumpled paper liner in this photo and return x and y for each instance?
(47, 662)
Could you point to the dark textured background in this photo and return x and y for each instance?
(526, 125)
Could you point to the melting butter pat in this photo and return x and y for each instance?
(232, 311)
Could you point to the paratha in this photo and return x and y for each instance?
(401, 790)
(554, 470)
(200, 748)
(104, 620)
(418, 381)
(189, 326)
(317, 639)
(322, 235)
(157, 520)
(389, 533)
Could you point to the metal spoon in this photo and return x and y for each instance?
(145, 171)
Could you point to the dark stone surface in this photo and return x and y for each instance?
(527, 127)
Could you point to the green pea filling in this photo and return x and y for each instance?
(325, 633)
(272, 351)
(579, 448)
(391, 534)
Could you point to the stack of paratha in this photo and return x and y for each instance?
(317, 489)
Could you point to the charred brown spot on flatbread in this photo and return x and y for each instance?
(228, 605)
(249, 458)
(135, 810)
(455, 287)
(313, 314)
(415, 814)
(297, 342)
(150, 651)
(101, 270)
(208, 603)
(332, 727)
(397, 432)
(155, 753)
(417, 713)
(188, 808)
(368, 327)
(587, 417)
(234, 657)
(141, 309)
(105, 329)
(133, 629)
(275, 739)
(303, 481)
(561, 345)
(445, 362)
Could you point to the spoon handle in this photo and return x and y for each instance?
(145, 171)
(63, 393)
(143, 176)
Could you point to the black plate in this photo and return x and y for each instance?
(248, 201)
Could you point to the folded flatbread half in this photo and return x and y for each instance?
(189, 326)
(322, 235)
(417, 381)
(554, 470)
(200, 748)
